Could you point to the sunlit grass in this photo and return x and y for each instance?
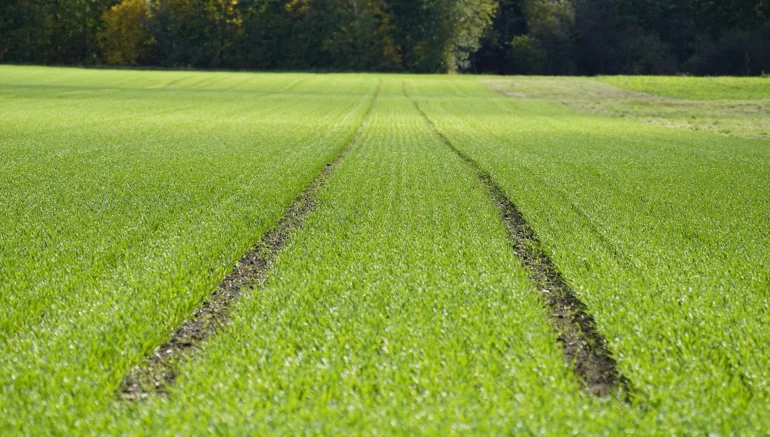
(741, 107)
(399, 306)
(662, 233)
(696, 88)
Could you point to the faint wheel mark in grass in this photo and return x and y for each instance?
(160, 369)
(584, 347)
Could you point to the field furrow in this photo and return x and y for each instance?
(584, 347)
(399, 306)
(114, 234)
(660, 232)
(493, 255)
(161, 368)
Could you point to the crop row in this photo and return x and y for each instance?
(661, 232)
(398, 307)
(122, 211)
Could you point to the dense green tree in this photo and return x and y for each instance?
(362, 38)
(496, 36)
(417, 33)
(195, 33)
(265, 40)
(345, 34)
(77, 23)
(551, 22)
(441, 35)
(51, 31)
(25, 28)
(463, 24)
(527, 55)
(125, 38)
(495, 54)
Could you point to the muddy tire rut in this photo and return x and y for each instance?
(585, 349)
(160, 369)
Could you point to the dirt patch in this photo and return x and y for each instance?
(746, 118)
(576, 329)
(584, 347)
(160, 369)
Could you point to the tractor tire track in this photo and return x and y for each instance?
(585, 349)
(160, 369)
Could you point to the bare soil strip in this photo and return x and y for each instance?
(584, 347)
(160, 369)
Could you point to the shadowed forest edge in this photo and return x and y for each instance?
(705, 37)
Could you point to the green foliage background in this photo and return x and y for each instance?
(490, 36)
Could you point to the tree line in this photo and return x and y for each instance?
(706, 37)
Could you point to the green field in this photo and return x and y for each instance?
(696, 88)
(727, 106)
(400, 305)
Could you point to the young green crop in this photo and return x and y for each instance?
(743, 107)
(662, 233)
(398, 308)
(696, 88)
(399, 305)
(126, 203)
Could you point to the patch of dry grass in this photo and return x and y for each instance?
(748, 118)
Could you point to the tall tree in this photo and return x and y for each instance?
(494, 54)
(51, 31)
(77, 23)
(500, 36)
(125, 37)
(347, 34)
(418, 33)
(463, 24)
(551, 23)
(195, 33)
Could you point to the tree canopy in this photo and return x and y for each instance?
(486, 36)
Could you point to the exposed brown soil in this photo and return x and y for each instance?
(160, 369)
(584, 347)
